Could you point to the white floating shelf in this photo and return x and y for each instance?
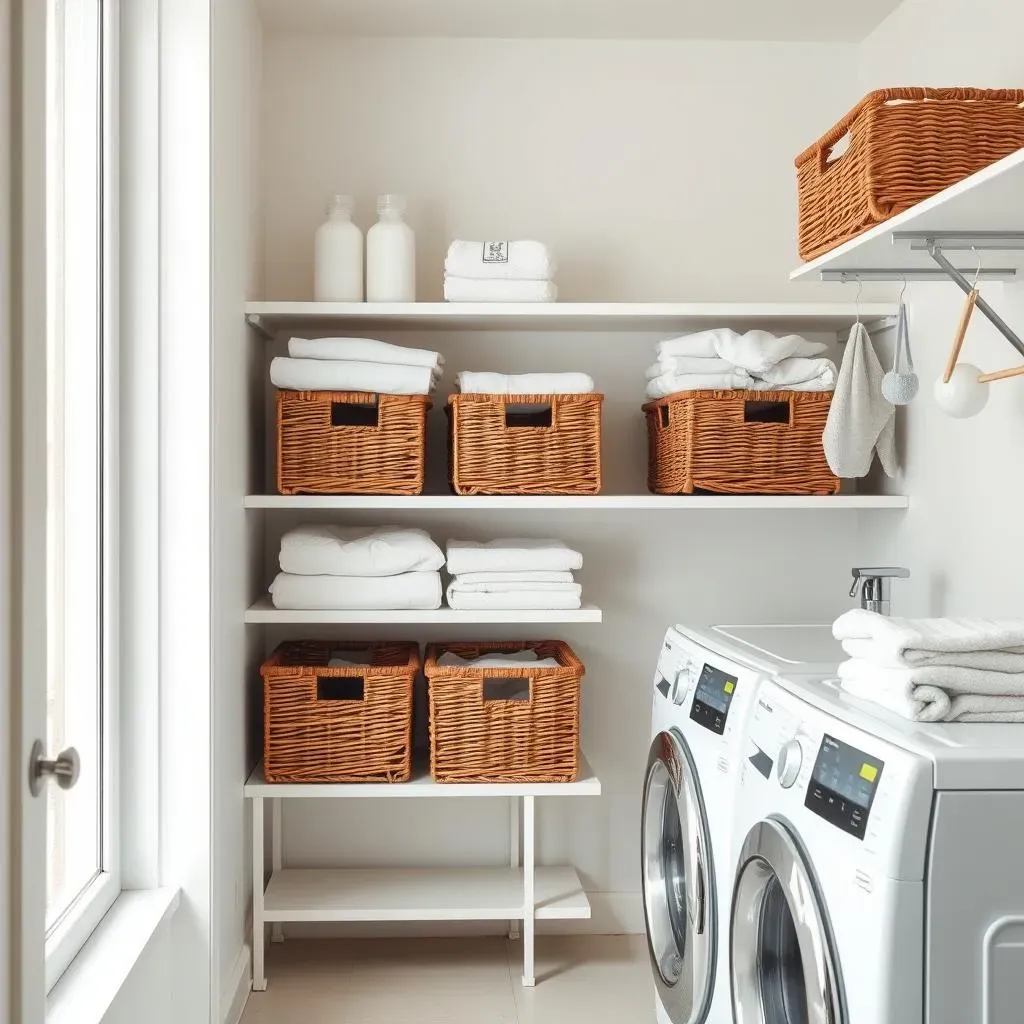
(263, 611)
(991, 200)
(597, 502)
(274, 317)
(421, 786)
(421, 894)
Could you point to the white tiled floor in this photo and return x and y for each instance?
(597, 979)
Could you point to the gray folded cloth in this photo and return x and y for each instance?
(860, 420)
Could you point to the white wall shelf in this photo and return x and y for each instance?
(271, 318)
(597, 502)
(264, 612)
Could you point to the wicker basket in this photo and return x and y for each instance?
(346, 724)
(905, 145)
(350, 442)
(739, 442)
(524, 444)
(504, 724)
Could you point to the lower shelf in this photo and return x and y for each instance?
(421, 894)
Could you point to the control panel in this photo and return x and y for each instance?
(712, 697)
(843, 784)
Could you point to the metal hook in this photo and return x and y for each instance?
(856, 301)
(903, 289)
(977, 276)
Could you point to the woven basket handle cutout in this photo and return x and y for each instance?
(777, 411)
(507, 689)
(356, 414)
(530, 415)
(340, 688)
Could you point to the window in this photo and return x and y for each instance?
(82, 866)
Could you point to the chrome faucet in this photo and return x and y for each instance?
(875, 585)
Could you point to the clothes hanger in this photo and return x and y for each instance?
(965, 319)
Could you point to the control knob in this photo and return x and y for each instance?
(791, 758)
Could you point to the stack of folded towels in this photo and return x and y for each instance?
(356, 364)
(724, 360)
(331, 567)
(485, 383)
(499, 272)
(513, 575)
(935, 670)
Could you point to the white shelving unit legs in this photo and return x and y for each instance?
(277, 929)
(529, 891)
(259, 975)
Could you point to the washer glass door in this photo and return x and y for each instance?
(678, 880)
(782, 964)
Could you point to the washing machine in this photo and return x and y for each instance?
(703, 686)
(878, 867)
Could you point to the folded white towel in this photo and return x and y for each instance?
(860, 421)
(363, 350)
(522, 600)
(688, 364)
(669, 384)
(471, 383)
(410, 590)
(996, 644)
(702, 345)
(537, 576)
(511, 555)
(338, 375)
(513, 659)
(937, 693)
(358, 551)
(808, 374)
(754, 351)
(459, 586)
(500, 261)
(465, 289)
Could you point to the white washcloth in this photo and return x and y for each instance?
(671, 383)
(363, 350)
(410, 590)
(522, 600)
(459, 586)
(465, 289)
(802, 372)
(754, 351)
(338, 375)
(511, 555)
(688, 364)
(938, 693)
(358, 551)
(471, 383)
(513, 659)
(993, 644)
(500, 261)
(860, 420)
(537, 576)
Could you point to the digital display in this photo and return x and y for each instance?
(712, 698)
(843, 785)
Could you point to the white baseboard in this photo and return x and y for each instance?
(233, 998)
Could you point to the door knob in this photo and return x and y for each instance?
(65, 769)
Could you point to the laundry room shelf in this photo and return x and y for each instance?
(271, 318)
(264, 612)
(422, 894)
(421, 786)
(597, 502)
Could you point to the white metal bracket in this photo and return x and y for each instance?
(259, 325)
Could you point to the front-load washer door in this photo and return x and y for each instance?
(679, 882)
(782, 963)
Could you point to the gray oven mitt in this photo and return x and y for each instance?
(860, 420)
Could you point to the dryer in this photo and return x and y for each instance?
(703, 686)
(878, 866)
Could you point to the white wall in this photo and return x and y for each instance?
(961, 537)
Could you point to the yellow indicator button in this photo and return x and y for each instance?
(730, 686)
(868, 772)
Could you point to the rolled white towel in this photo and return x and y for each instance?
(358, 551)
(754, 351)
(465, 289)
(408, 591)
(337, 375)
(500, 261)
(670, 383)
(363, 350)
(522, 600)
(524, 383)
(800, 372)
(511, 555)
(673, 365)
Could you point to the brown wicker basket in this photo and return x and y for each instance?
(524, 444)
(350, 442)
(345, 724)
(504, 724)
(739, 442)
(905, 145)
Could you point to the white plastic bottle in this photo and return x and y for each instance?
(390, 254)
(338, 272)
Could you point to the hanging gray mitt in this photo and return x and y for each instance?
(860, 420)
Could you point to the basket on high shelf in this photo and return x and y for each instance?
(739, 442)
(517, 724)
(350, 442)
(905, 145)
(343, 723)
(524, 444)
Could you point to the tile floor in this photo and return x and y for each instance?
(596, 979)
